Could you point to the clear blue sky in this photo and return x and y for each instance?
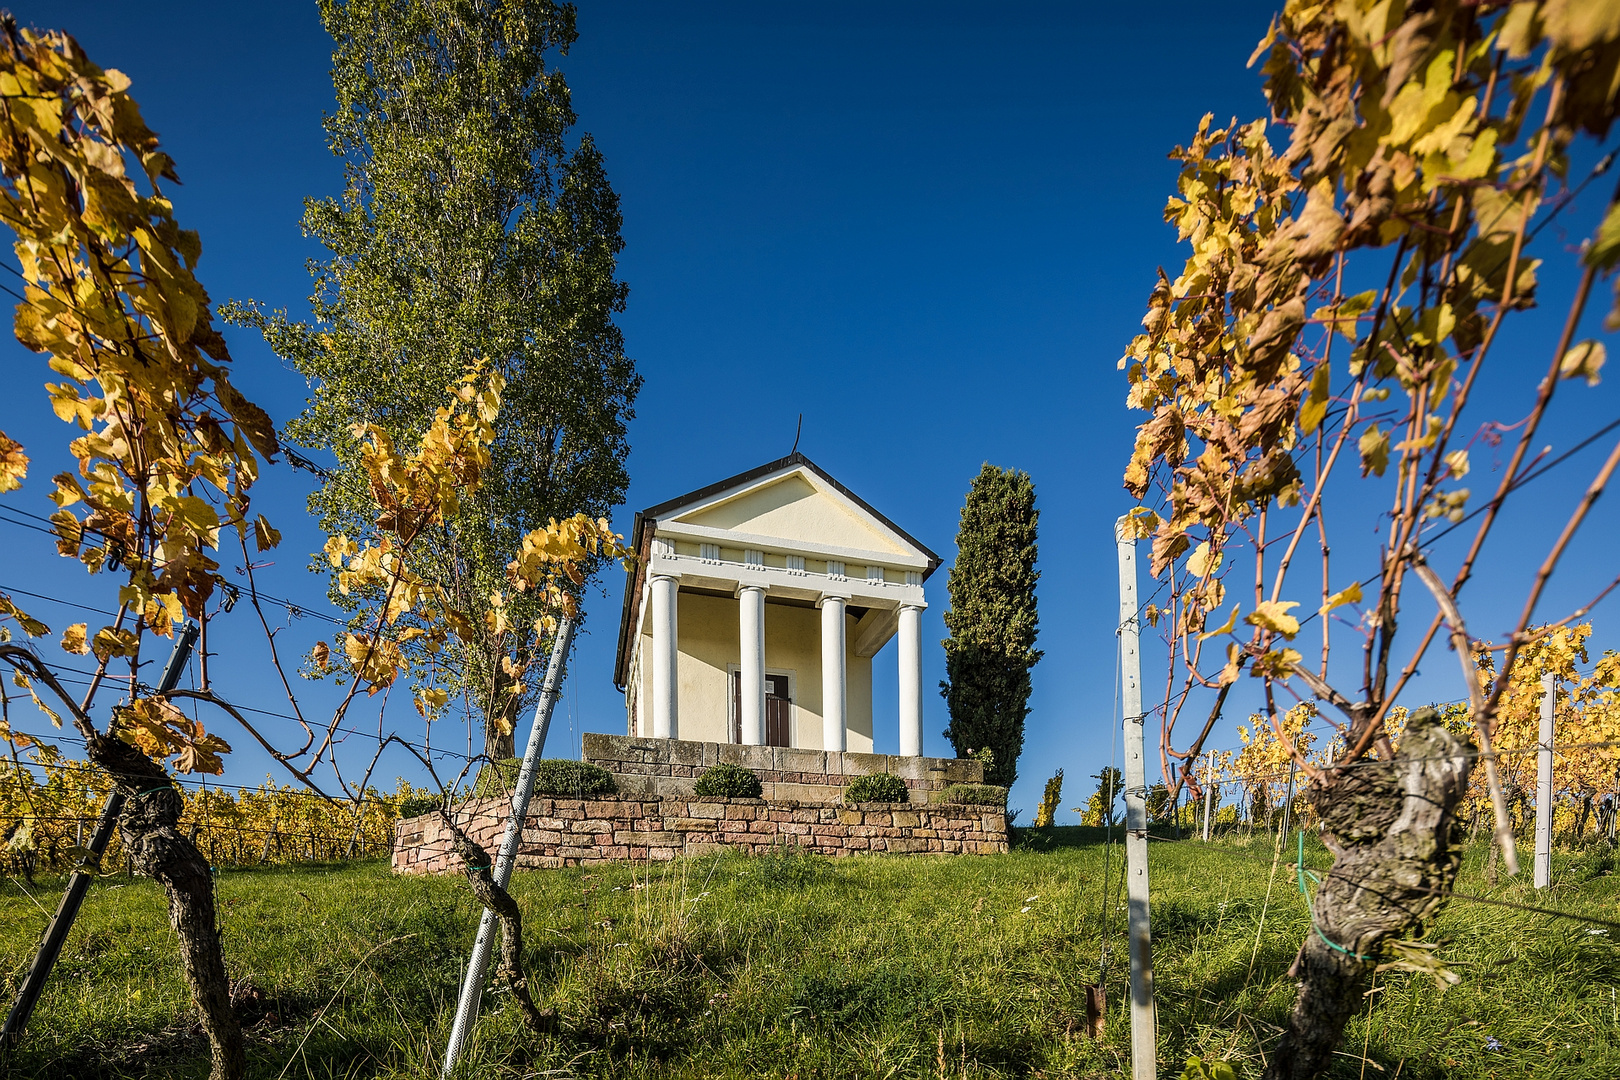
(929, 227)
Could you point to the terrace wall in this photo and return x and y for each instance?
(576, 832)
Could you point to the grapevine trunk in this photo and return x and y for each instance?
(500, 902)
(157, 849)
(1393, 829)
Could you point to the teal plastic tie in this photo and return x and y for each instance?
(1311, 908)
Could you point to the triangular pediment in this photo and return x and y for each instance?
(796, 509)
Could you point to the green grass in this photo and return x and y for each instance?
(793, 966)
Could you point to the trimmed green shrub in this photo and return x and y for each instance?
(727, 781)
(556, 777)
(417, 805)
(974, 795)
(877, 787)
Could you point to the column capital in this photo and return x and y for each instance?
(743, 587)
(655, 576)
(842, 598)
(913, 607)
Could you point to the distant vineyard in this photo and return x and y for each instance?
(48, 813)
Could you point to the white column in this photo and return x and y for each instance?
(751, 606)
(666, 650)
(834, 677)
(910, 650)
(1544, 784)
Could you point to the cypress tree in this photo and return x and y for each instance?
(992, 620)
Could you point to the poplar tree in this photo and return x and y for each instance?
(471, 229)
(992, 620)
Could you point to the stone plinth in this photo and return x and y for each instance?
(669, 767)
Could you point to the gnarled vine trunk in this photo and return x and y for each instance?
(510, 967)
(148, 826)
(1393, 829)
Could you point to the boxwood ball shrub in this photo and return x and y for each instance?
(556, 777)
(974, 795)
(877, 787)
(727, 781)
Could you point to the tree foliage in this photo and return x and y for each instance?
(1586, 720)
(1046, 812)
(1101, 806)
(469, 230)
(1422, 146)
(992, 621)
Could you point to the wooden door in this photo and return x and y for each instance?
(778, 712)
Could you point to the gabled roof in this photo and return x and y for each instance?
(647, 520)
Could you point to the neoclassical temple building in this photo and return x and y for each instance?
(756, 608)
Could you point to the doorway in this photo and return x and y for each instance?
(778, 709)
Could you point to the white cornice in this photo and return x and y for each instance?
(779, 546)
(862, 593)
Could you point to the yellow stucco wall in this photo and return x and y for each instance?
(710, 648)
(792, 508)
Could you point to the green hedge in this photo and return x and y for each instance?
(974, 795)
(727, 781)
(877, 787)
(555, 777)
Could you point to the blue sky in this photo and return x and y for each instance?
(929, 228)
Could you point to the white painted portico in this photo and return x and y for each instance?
(757, 606)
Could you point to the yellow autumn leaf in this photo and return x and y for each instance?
(31, 626)
(430, 699)
(1350, 594)
(1234, 665)
(1276, 664)
(265, 535)
(13, 464)
(1227, 628)
(1139, 523)
(111, 642)
(1584, 359)
(1314, 407)
(16, 738)
(1374, 446)
(1200, 563)
(73, 639)
(1273, 615)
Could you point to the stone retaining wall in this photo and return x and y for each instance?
(574, 832)
(669, 767)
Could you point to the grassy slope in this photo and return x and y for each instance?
(807, 968)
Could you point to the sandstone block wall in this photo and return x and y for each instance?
(669, 767)
(575, 832)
